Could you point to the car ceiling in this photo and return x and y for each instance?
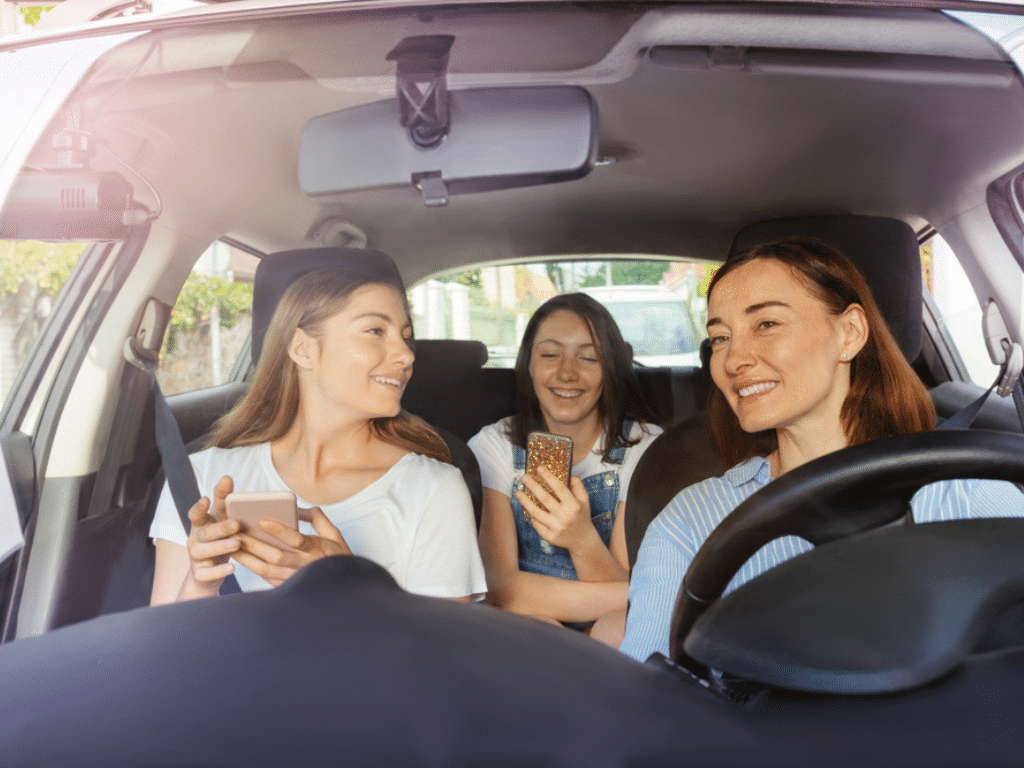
(710, 118)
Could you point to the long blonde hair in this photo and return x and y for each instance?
(269, 408)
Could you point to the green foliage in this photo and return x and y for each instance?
(470, 278)
(555, 273)
(627, 273)
(702, 289)
(33, 13)
(199, 294)
(46, 265)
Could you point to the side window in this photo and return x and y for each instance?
(659, 305)
(210, 322)
(948, 285)
(31, 276)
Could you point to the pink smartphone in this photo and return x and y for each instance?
(250, 508)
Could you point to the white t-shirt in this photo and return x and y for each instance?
(416, 520)
(493, 451)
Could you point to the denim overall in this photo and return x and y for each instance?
(537, 555)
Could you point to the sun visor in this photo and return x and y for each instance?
(496, 138)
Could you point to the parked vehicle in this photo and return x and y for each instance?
(655, 321)
(453, 136)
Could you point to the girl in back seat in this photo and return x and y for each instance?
(323, 419)
(565, 561)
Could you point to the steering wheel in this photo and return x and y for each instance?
(846, 492)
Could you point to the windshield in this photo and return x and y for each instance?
(1004, 29)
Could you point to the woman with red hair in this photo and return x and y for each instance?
(803, 365)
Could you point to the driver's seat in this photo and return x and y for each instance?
(887, 254)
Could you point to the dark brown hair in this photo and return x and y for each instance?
(267, 410)
(886, 397)
(621, 396)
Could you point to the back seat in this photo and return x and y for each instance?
(452, 390)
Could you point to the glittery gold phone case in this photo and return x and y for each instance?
(551, 451)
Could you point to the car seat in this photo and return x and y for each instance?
(884, 250)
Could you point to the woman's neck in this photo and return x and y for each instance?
(318, 442)
(797, 447)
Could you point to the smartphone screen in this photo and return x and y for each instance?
(250, 508)
(551, 451)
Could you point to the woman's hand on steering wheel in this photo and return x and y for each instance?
(277, 564)
(562, 518)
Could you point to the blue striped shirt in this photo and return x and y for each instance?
(676, 534)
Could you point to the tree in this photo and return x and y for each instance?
(33, 13)
(627, 273)
(44, 265)
(199, 294)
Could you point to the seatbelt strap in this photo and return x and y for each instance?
(181, 478)
(1009, 382)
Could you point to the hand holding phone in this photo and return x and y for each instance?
(249, 508)
(551, 451)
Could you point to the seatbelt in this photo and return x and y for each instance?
(1009, 382)
(181, 478)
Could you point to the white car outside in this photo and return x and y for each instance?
(655, 321)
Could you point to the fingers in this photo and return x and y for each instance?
(579, 492)
(531, 509)
(274, 574)
(267, 552)
(543, 495)
(206, 571)
(209, 538)
(197, 514)
(285, 534)
(326, 529)
(218, 509)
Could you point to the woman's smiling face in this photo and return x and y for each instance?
(776, 353)
(361, 360)
(565, 367)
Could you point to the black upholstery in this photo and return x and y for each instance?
(906, 619)
(340, 666)
(884, 250)
(276, 272)
(445, 385)
(835, 496)
(682, 455)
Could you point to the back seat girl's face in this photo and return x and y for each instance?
(565, 368)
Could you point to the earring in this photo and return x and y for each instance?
(845, 356)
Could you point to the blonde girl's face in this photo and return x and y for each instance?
(360, 362)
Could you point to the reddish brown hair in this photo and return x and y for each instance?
(886, 397)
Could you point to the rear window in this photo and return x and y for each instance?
(659, 305)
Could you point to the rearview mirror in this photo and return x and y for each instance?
(499, 138)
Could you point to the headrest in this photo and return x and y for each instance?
(884, 250)
(440, 362)
(276, 272)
